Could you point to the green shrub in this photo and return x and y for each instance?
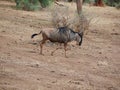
(8, 0)
(45, 3)
(117, 6)
(29, 5)
(107, 2)
(86, 1)
(112, 2)
(32, 4)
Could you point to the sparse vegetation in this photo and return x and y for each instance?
(93, 66)
(29, 5)
(112, 2)
(32, 5)
(117, 5)
(61, 17)
(45, 3)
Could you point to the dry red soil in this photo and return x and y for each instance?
(93, 66)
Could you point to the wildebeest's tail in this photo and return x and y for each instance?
(33, 35)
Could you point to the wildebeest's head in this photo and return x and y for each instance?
(79, 38)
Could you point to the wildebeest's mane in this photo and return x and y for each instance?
(65, 30)
(62, 29)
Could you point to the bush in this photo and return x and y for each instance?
(107, 2)
(32, 5)
(86, 1)
(117, 5)
(112, 2)
(29, 5)
(8, 0)
(45, 3)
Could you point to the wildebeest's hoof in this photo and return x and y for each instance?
(52, 54)
(41, 54)
(66, 56)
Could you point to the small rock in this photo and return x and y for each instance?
(115, 34)
(37, 65)
(15, 42)
(102, 63)
(3, 31)
(63, 75)
(23, 16)
(8, 44)
(113, 29)
(100, 52)
(112, 88)
(54, 81)
(52, 71)
(38, 79)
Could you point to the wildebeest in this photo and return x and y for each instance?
(60, 35)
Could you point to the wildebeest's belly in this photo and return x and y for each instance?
(58, 37)
(59, 40)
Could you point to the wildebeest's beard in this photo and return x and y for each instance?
(81, 38)
(78, 39)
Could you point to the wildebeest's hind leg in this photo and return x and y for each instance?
(41, 46)
(55, 50)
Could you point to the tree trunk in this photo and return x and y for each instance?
(99, 3)
(79, 6)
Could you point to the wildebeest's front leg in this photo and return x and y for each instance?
(41, 46)
(56, 50)
(65, 48)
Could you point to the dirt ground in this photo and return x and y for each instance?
(93, 66)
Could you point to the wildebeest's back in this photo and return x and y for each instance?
(61, 35)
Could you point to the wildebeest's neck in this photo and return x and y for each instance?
(66, 29)
(62, 35)
(68, 32)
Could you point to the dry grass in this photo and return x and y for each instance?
(93, 66)
(67, 16)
